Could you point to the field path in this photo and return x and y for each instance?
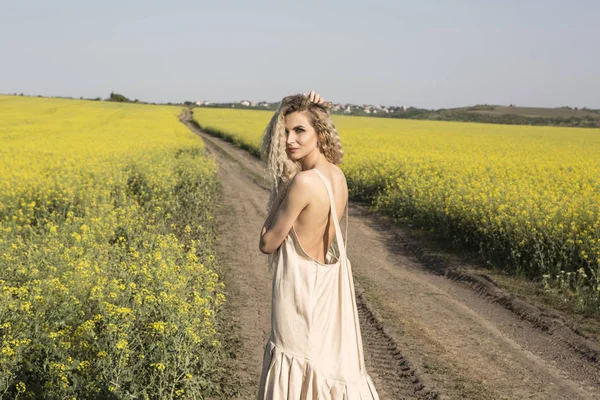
(430, 329)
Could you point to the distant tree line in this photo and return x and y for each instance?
(271, 106)
(119, 98)
(587, 121)
(467, 115)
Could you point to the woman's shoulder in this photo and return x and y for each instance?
(341, 175)
(309, 177)
(304, 177)
(339, 171)
(304, 181)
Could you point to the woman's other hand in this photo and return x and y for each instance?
(314, 97)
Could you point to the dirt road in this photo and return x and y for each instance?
(431, 329)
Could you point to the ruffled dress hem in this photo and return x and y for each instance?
(291, 377)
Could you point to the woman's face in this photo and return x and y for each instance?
(301, 136)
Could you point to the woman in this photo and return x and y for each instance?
(315, 348)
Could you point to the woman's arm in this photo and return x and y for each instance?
(272, 213)
(283, 215)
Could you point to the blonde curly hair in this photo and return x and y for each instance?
(280, 168)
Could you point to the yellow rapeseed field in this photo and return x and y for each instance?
(108, 286)
(526, 197)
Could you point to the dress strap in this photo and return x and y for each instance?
(338, 230)
(346, 234)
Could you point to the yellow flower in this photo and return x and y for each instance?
(159, 366)
(21, 388)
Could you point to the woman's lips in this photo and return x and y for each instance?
(291, 150)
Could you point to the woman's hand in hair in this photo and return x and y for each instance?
(315, 98)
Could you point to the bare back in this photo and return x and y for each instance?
(314, 226)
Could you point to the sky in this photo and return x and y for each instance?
(431, 54)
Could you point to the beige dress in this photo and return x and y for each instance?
(315, 348)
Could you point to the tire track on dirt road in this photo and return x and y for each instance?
(425, 335)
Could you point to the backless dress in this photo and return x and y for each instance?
(315, 347)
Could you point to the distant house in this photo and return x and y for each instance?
(253, 104)
(263, 104)
(245, 102)
(347, 110)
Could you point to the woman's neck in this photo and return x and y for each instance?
(312, 160)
